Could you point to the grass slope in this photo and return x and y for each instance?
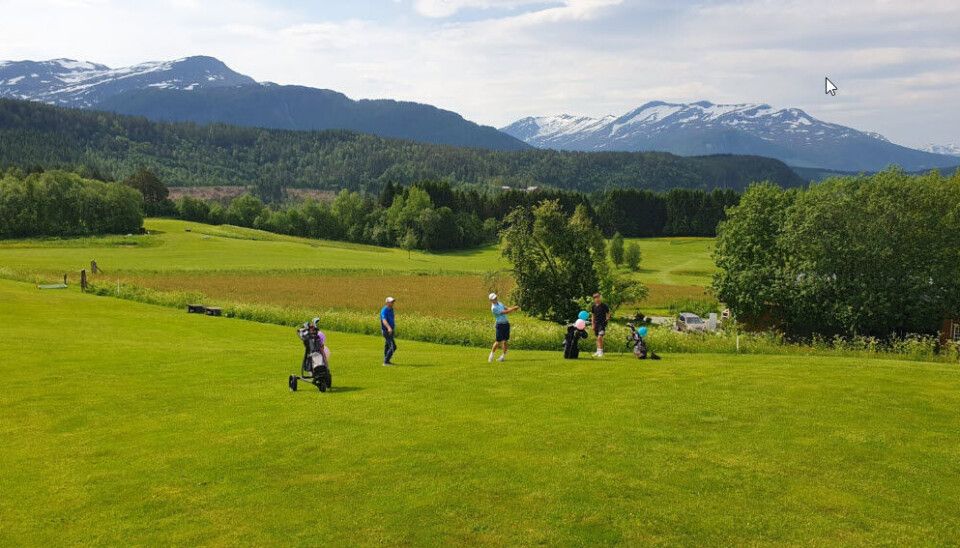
(126, 424)
(215, 248)
(676, 261)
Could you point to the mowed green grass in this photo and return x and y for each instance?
(673, 261)
(127, 424)
(676, 261)
(215, 248)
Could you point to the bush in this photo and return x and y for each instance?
(632, 256)
(616, 249)
(193, 209)
(58, 203)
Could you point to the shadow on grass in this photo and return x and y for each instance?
(345, 389)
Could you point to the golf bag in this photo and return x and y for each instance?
(571, 342)
(638, 344)
(315, 367)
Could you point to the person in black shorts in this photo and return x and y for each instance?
(599, 319)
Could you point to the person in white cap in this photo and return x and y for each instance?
(500, 312)
(387, 325)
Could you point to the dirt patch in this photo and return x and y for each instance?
(206, 193)
(311, 194)
(218, 193)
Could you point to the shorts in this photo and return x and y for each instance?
(503, 332)
(600, 330)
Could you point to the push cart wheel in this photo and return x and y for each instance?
(322, 386)
(292, 382)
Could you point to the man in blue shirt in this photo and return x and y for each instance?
(387, 326)
(500, 312)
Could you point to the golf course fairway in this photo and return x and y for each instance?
(126, 424)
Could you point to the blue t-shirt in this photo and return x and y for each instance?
(497, 309)
(386, 313)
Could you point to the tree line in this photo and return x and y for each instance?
(268, 161)
(59, 203)
(874, 255)
(436, 216)
(426, 214)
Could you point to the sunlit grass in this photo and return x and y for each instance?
(129, 424)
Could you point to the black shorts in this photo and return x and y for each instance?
(600, 329)
(503, 332)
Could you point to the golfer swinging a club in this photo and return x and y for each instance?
(502, 325)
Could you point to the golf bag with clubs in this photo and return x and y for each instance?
(571, 342)
(315, 368)
(638, 344)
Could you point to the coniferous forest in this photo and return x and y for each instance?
(188, 154)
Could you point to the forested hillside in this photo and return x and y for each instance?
(269, 160)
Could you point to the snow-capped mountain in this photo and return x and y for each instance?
(69, 83)
(949, 149)
(788, 134)
(203, 89)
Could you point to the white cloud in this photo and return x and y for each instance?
(497, 60)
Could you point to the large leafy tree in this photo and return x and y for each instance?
(559, 260)
(875, 255)
(750, 258)
(151, 187)
(872, 255)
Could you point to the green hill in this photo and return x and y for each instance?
(187, 154)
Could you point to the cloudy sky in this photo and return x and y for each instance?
(897, 63)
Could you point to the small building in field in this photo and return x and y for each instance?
(950, 331)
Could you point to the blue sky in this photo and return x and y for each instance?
(897, 63)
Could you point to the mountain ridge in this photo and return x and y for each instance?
(688, 129)
(204, 89)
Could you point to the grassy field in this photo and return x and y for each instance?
(455, 296)
(250, 266)
(676, 261)
(226, 248)
(128, 424)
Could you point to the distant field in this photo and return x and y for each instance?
(212, 248)
(128, 424)
(245, 265)
(438, 296)
(676, 261)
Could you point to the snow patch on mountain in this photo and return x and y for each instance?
(67, 82)
(788, 134)
(950, 149)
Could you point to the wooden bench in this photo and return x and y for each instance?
(208, 310)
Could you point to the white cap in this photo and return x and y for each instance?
(493, 296)
(390, 299)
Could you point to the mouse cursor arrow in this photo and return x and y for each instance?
(829, 87)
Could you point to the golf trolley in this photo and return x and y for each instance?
(315, 368)
(638, 344)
